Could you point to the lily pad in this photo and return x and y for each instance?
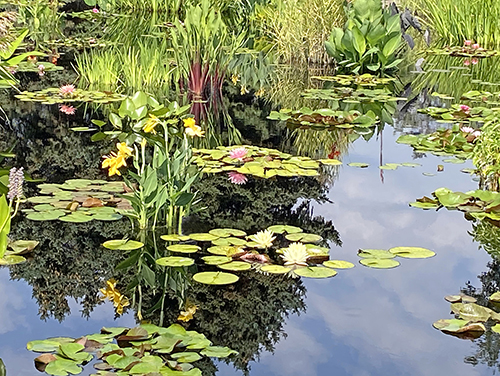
(412, 252)
(203, 237)
(46, 215)
(186, 357)
(379, 263)
(235, 266)
(275, 269)
(315, 272)
(456, 326)
(215, 278)
(222, 250)
(375, 253)
(217, 352)
(358, 164)
(474, 312)
(303, 237)
(216, 260)
(184, 248)
(123, 244)
(175, 261)
(338, 264)
(330, 162)
(280, 229)
(227, 232)
(174, 237)
(12, 260)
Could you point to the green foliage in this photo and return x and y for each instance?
(486, 154)
(43, 19)
(4, 224)
(370, 40)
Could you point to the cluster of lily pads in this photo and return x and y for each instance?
(384, 259)
(470, 317)
(460, 113)
(79, 43)
(457, 141)
(144, 350)
(350, 95)
(16, 250)
(78, 200)
(54, 95)
(324, 118)
(26, 66)
(463, 51)
(362, 80)
(259, 162)
(478, 204)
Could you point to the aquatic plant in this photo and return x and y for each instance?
(237, 178)
(369, 41)
(384, 259)
(111, 293)
(486, 153)
(295, 254)
(264, 239)
(54, 95)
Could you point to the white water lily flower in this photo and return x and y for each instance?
(264, 239)
(295, 254)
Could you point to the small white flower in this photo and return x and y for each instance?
(295, 254)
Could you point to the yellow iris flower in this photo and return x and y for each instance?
(114, 161)
(192, 129)
(151, 123)
(119, 301)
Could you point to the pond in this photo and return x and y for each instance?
(147, 204)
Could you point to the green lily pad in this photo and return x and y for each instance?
(175, 261)
(330, 162)
(43, 207)
(186, 357)
(76, 218)
(338, 264)
(12, 260)
(215, 278)
(222, 250)
(412, 252)
(275, 269)
(495, 297)
(123, 244)
(217, 352)
(424, 205)
(216, 260)
(280, 229)
(456, 326)
(496, 328)
(227, 232)
(62, 367)
(174, 237)
(454, 160)
(46, 215)
(229, 241)
(303, 237)
(379, 263)
(375, 253)
(474, 312)
(184, 248)
(358, 164)
(203, 237)
(235, 266)
(107, 216)
(315, 272)
(407, 164)
(43, 346)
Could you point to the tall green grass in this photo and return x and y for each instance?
(453, 21)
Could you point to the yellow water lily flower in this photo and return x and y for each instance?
(264, 239)
(151, 123)
(187, 314)
(295, 254)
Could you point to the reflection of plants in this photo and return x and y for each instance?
(369, 41)
(43, 18)
(486, 154)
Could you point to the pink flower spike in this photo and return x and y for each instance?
(466, 62)
(68, 110)
(238, 153)
(474, 61)
(237, 178)
(464, 108)
(95, 10)
(67, 90)
(468, 42)
(475, 46)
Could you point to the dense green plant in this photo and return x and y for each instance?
(369, 41)
(486, 154)
(43, 19)
(453, 21)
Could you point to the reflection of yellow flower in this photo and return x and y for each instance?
(264, 239)
(151, 123)
(191, 128)
(114, 161)
(235, 78)
(119, 301)
(295, 254)
(187, 314)
(260, 92)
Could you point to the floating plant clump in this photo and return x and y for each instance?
(144, 350)
(460, 113)
(79, 43)
(325, 118)
(458, 141)
(40, 66)
(15, 251)
(463, 51)
(470, 317)
(259, 162)
(350, 95)
(55, 95)
(280, 249)
(78, 200)
(383, 259)
(362, 80)
(478, 204)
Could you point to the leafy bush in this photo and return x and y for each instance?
(369, 41)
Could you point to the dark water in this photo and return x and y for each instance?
(361, 322)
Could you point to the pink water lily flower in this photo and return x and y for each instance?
(475, 46)
(464, 108)
(67, 90)
(467, 42)
(466, 62)
(237, 178)
(467, 129)
(476, 133)
(474, 61)
(238, 153)
(95, 10)
(68, 110)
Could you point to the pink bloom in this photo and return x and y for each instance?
(251, 257)
(238, 153)
(95, 10)
(92, 40)
(467, 129)
(237, 178)
(466, 62)
(41, 70)
(476, 133)
(475, 46)
(66, 90)
(68, 110)
(464, 108)
(474, 61)
(468, 42)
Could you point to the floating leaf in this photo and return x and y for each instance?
(227, 232)
(223, 250)
(358, 164)
(175, 261)
(203, 237)
(275, 269)
(330, 162)
(303, 237)
(280, 229)
(123, 244)
(379, 263)
(217, 352)
(338, 264)
(174, 237)
(315, 272)
(215, 278)
(216, 260)
(186, 357)
(235, 266)
(455, 326)
(474, 312)
(184, 248)
(375, 253)
(412, 252)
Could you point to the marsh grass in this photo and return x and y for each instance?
(298, 29)
(453, 21)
